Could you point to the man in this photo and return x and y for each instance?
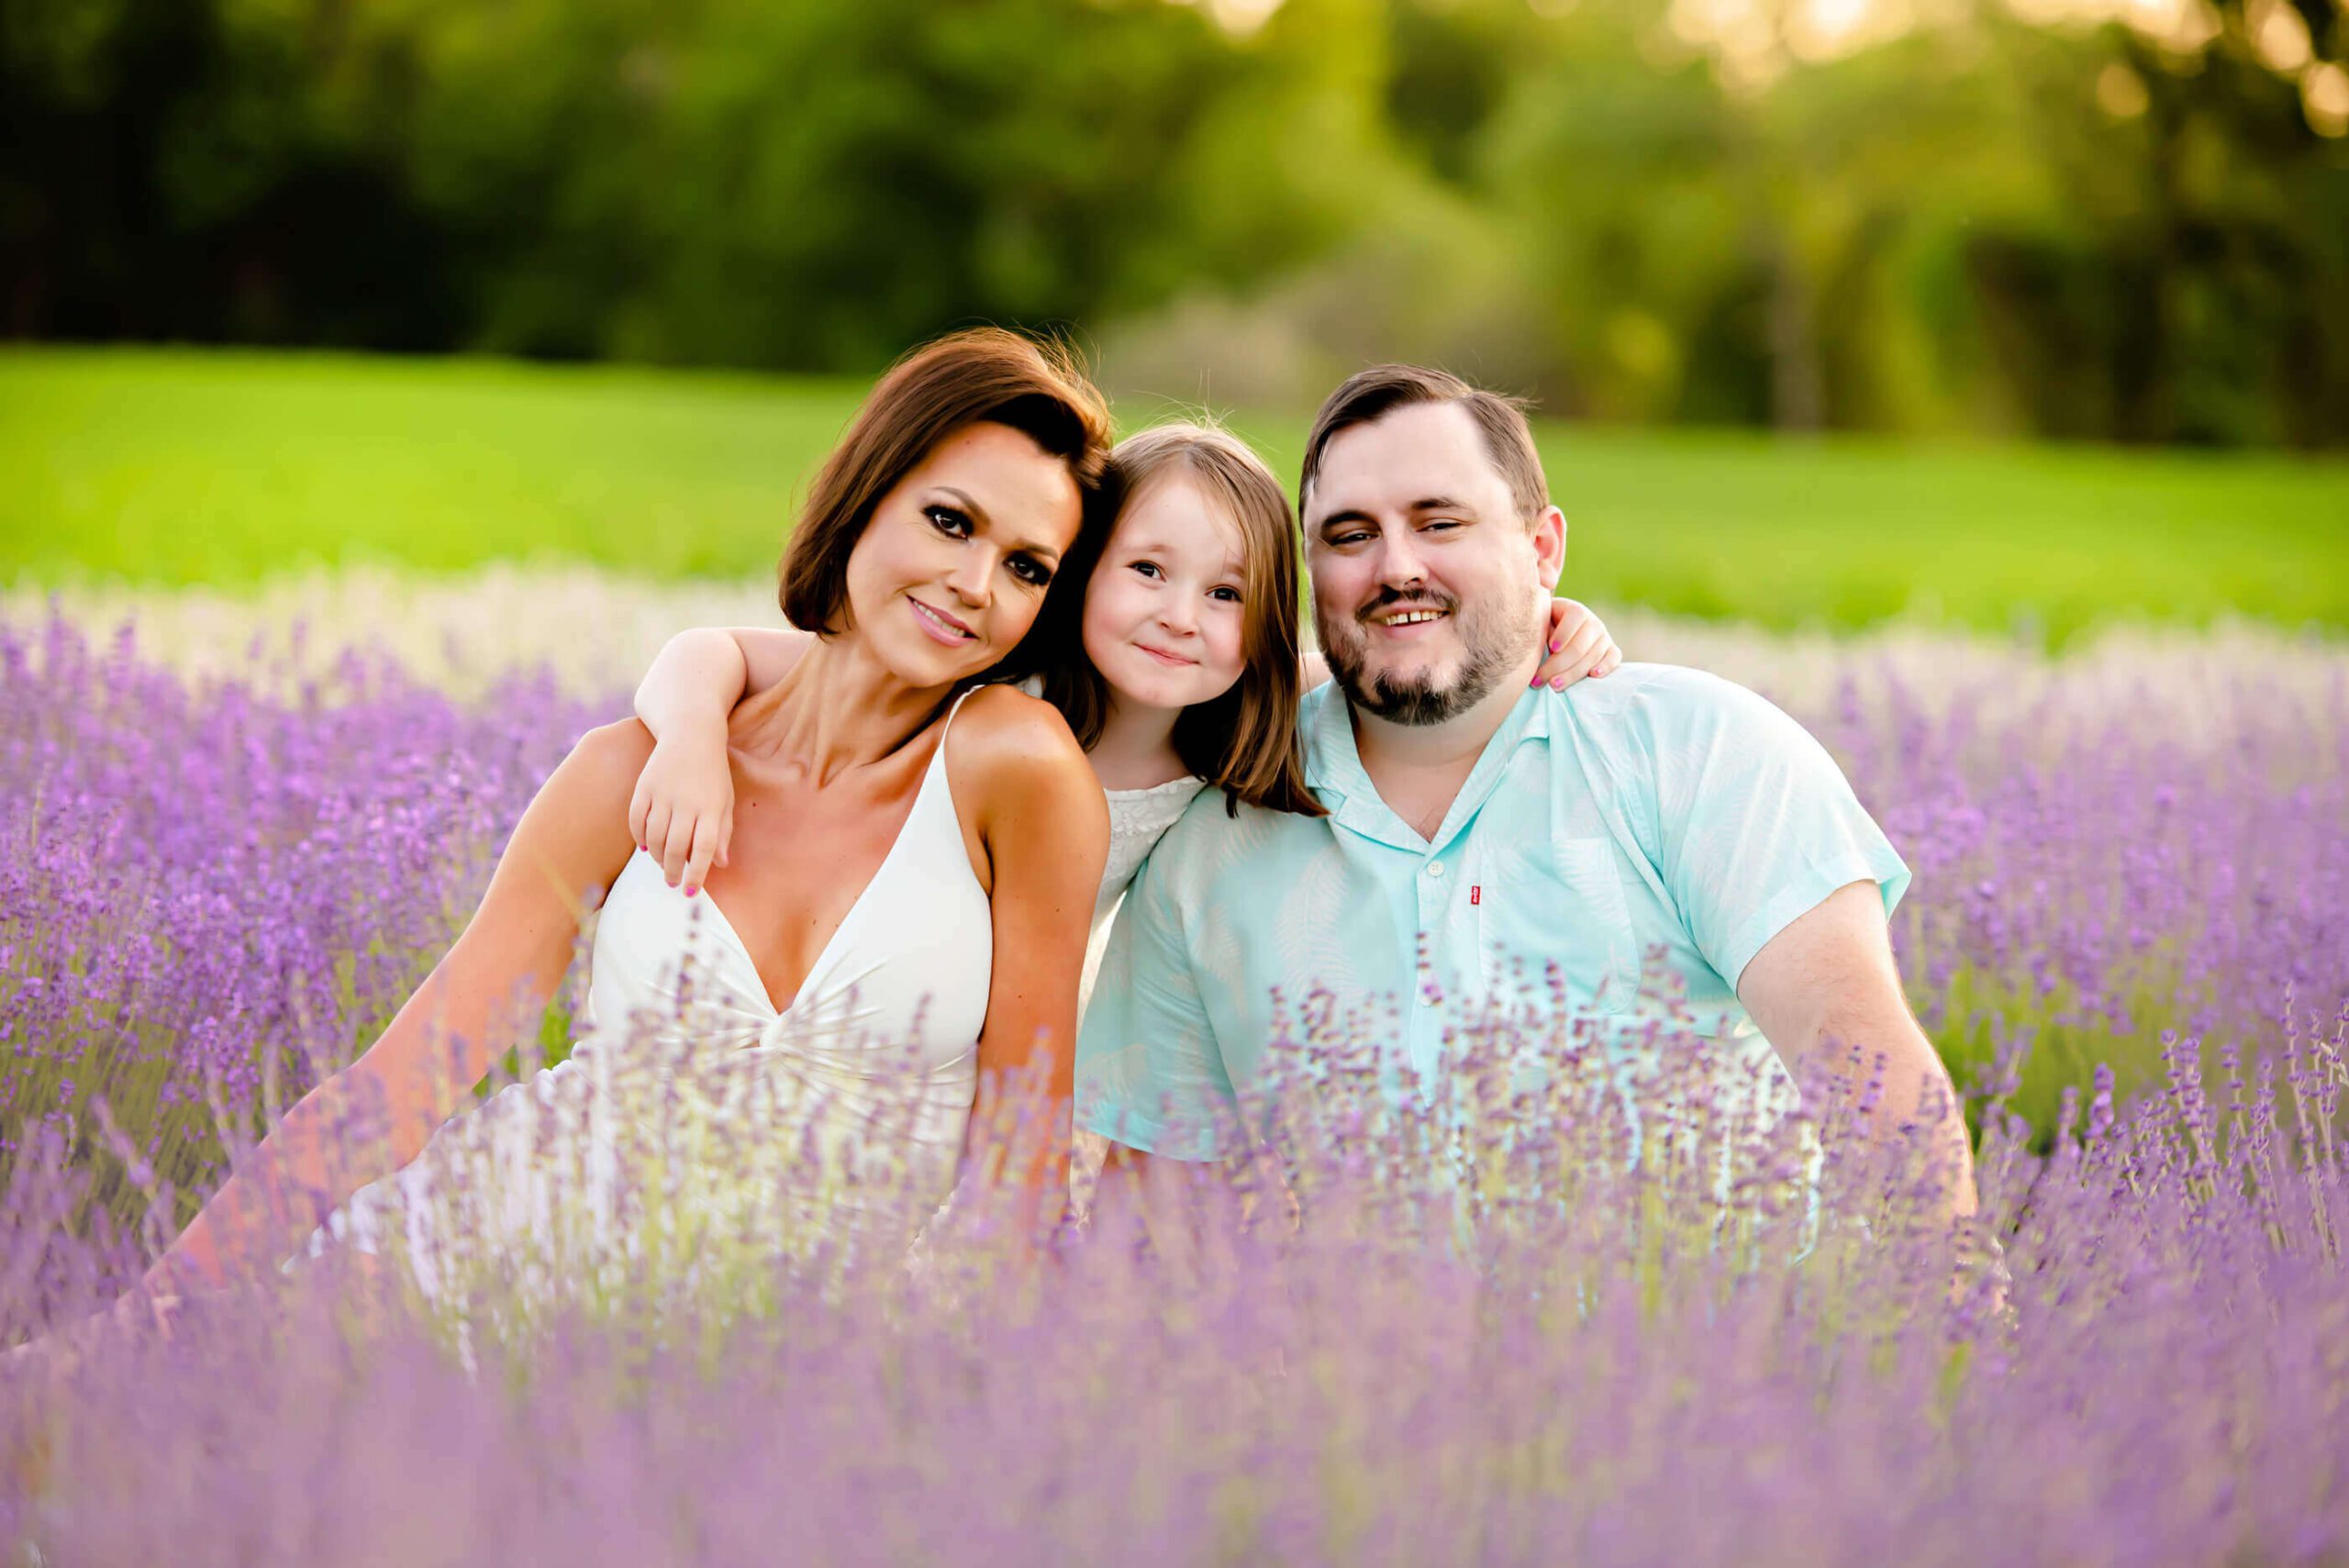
(1480, 831)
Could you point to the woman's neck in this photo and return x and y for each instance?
(1136, 748)
(836, 708)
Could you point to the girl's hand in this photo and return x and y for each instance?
(1579, 646)
(682, 811)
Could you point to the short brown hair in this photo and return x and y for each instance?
(984, 375)
(1369, 396)
(1244, 741)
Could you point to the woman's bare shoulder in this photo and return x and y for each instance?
(1002, 738)
(573, 835)
(601, 770)
(622, 747)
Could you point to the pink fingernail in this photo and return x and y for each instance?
(1558, 685)
(691, 890)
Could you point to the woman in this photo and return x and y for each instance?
(904, 915)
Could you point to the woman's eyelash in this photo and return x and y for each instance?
(955, 521)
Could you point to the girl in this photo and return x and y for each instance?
(908, 913)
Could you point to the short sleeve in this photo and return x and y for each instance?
(1755, 822)
(1150, 1074)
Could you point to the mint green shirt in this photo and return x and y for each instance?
(1658, 811)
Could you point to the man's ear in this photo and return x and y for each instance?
(1550, 546)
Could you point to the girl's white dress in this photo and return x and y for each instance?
(1138, 820)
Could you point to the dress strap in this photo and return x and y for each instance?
(946, 726)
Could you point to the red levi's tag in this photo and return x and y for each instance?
(1476, 893)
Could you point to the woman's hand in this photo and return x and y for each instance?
(682, 811)
(137, 1313)
(1579, 646)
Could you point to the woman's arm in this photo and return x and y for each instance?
(1046, 828)
(375, 1115)
(682, 809)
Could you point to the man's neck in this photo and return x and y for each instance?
(1418, 769)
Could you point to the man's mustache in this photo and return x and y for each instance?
(1388, 598)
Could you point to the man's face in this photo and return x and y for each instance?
(1428, 586)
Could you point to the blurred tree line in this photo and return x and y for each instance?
(1951, 218)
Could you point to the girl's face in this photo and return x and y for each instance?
(951, 571)
(1163, 614)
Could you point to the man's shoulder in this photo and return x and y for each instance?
(1633, 687)
(1211, 842)
(1656, 707)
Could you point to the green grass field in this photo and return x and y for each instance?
(181, 468)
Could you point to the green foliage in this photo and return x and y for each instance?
(1973, 226)
(226, 469)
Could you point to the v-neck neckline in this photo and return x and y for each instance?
(934, 767)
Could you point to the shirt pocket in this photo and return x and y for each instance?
(1557, 902)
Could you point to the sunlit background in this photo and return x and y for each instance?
(1939, 233)
(2114, 219)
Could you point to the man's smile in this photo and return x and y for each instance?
(1401, 619)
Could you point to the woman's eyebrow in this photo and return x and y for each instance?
(967, 501)
(970, 503)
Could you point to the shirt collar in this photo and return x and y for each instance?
(1333, 769)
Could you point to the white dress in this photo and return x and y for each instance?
(1138, 820)
(693, 1111)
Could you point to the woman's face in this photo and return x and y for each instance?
(952, 567)
(1165, 612)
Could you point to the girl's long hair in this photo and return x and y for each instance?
(1243, 742)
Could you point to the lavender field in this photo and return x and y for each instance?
(234, 834)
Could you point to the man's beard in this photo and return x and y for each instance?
(1493, 647)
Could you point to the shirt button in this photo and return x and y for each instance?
(1435, 868)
